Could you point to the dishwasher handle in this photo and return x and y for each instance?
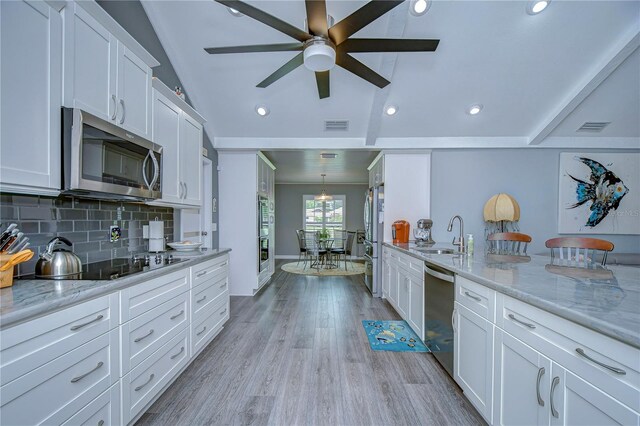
(438, 275)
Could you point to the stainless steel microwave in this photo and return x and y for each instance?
(102, 160)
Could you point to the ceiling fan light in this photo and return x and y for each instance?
(391, 110)
(234, 12)
(474, 109)
(262, 110)
(536, 6)
(319, 56)
(419, 7)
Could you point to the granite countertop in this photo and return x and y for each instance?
(604, 299)
(34, 297)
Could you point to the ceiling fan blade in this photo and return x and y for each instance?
(266, 19)
(317, 17)
(356, 67)
(283, 70)
(360, 19)
(322, 79)
(280, 47)
(388, 45)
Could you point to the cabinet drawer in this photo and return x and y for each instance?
(102, 411)
(32, 344)
(55, 391)
(146, 333)
(202, 272)
(562, 340)
(205, 329)
(476, 297)
(205, 295)
(140, 298)
(143, 383)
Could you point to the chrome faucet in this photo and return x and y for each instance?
(460, 242)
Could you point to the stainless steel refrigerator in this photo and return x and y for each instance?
(374, 235)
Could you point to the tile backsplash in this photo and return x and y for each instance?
(84, 222)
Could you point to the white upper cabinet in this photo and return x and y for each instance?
(30, 83)
(178, 129)
(191, 160)
(102, 75)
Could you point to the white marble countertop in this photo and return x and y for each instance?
(604, 299)
(30, 298)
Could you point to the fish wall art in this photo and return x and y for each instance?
(599, 193)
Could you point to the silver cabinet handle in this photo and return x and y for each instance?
(144, 337)
(201, 300)
(145, 383)
(123, 111)
(79, 326)
(176, 355)
(476, 298)
(223, 285)
(453, 320)
(101, 423)
(201, 274)
(554, 383)
(77, 379)
(608, 367)
(201, 331)
(177, 315)
(541, 372)
(526, 324)
(186, 190)
(115, 107)
(180, 190)
(223, 312)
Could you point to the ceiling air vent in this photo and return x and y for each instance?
(336, 125)
(593, 126)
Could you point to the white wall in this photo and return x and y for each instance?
(463, 180)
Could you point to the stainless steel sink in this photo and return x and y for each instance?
(431, 250)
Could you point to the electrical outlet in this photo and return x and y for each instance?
(214, 227)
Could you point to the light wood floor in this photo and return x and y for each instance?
(297, 354)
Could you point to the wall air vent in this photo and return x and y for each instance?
(593, 126)
(336, 125)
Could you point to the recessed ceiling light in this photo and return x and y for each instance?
(391, 110)
(262, 110)
(474, 109)
(536, 6)
(419, 7)
(234, 12)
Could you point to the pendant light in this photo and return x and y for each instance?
(323, 195)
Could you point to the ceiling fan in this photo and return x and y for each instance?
(322, 46)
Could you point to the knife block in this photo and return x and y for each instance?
(6, 277)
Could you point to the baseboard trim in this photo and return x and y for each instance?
(289, 256)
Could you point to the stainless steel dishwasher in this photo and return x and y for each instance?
(439, 293)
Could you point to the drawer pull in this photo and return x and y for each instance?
(223, 285)
(79, 326)
(201, 300)
(77, 379)
(178, 314)
(608, 367)
(145, 383)
(223, 312)
(201, 274)
(526, 324)
(540, 374)
(554, 383)
(101, 423)
(181, 350)
(201, 331)
(144, 337)
(476, 298)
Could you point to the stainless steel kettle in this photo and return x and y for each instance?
(58, 262)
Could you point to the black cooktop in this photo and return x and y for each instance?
(122, 267)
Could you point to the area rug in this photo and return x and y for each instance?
(353, 268)
(395, 336)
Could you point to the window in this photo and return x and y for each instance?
(329, 215)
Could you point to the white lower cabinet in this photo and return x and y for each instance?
(102, 411)
(521, 383)
(403, 293)
(416, 305)
(144, 382)
(473, 359)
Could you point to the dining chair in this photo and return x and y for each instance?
(302, 246)
(511, 243)
(572, 248)
(315, 251)
(340, 245)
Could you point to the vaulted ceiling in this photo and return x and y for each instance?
(538, 77)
